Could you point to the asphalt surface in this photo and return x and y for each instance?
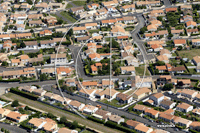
(12, 129)
(113, 110)
(138, 42)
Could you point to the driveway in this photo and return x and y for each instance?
(12, 129)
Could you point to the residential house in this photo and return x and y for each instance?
(70, 82)
(177, 32)
(157, 98)
(87, 92)
(35, 16)
(140, 108)
(31, 44)
(163, 58)
(180, 69)
(166, 117)
(164, 79)
(184, 107)
(171, 9)
(89, 84)
(186, 7)
(64, 71)
(16, 117)
(141, 93)
(89, 109)
(78, 30)
(116, 119)
(148, 4)
(152, 113)
(161, 69)
(181, 121)
(183, 83)
(39, 92)
(196, 42)
(91, 26)
(165, 52)
(167, 104)
(45, 33)
(143, 82)
(127, 69)
(93, 6)
(192, 32)
(59, 58)
(95, 57)
(102, 114)
(188, 93)
(191, 24)
(107, 93)
(126, 8)
(66, 130)
(76, 10)
(46, 124)
(50, 20)
(83, 39)
(196, 60)
(124, 98)
(195, 125)
(47, 44)
(77, 105)
(179, 42)
(4, 112)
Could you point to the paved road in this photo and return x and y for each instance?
(12, 129)
(136, 39)
(63, 18)
(58, 112)
(167, 3)
(113, 110)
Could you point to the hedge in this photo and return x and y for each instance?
(193, 131)
(119, 127)
(10, 80)
(24, 94)
(96, 120)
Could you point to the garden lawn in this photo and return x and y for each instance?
(67, 16)
(69, 6)
(140, 71)
(79, 3)
(189, 53)
(112, 103)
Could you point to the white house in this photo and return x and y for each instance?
(184, 107)
(157, 98)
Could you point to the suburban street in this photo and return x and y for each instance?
(111, 109)
(81, 74)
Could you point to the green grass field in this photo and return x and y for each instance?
(189, 53)
(67, 16)
(79, 3)
(140, 71)
(68, 6)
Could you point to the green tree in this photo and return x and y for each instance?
(22, 45)
(51, 116)
(4, 63)
(168, 86)
(180, 48)
(81, 79)
(63, 120)
(43, 77)
(129, 78)
(32, 31)
(160, 63)
(29, 2)
(15, 103)
(74, 125)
